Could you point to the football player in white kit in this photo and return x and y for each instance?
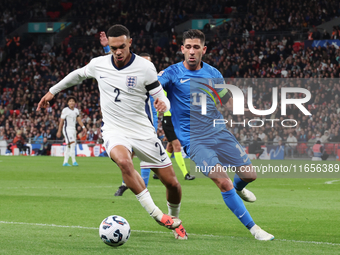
(124, 80)
(69, 117)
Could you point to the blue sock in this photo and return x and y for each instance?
(145, 173)
(239, 184)
(235, 204)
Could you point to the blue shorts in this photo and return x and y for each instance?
(221, 148)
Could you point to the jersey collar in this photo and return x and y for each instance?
(133, 56)
(195, 70)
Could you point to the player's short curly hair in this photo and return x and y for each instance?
(71, 97)
(194, 34)
(144, 54)
(118, 30)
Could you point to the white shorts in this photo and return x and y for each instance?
(70, 135)
(150, 152)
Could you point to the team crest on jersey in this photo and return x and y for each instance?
(131, 81)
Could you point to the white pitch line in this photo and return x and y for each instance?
(162, 232)
(331, 182)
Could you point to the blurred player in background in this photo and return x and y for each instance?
(68, 121)
(208, 146)
(124, 79)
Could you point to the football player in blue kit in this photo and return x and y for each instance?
(211, 148)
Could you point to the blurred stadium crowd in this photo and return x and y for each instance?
(256, 48)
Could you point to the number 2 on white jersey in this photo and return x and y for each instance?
(118, 93)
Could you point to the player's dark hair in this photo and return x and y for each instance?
(118, 30)
(71, 97)
(194, 34)
(144, 54)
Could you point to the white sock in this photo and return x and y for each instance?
(73, 152)
(66, 154)
(146, 201)
(173, 209)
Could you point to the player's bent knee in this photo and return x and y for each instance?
(169, 147)
(247, 173)
(176, 145)
(249, 179)
(224, 184)
(125, 164)
(252, 177)
(172, 185)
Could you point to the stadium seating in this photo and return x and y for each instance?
(236, 53)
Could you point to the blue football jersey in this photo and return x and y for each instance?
(184, 88)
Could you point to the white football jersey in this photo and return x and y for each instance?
(70, 117)
(123, 96)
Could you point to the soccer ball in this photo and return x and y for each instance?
(114, 230)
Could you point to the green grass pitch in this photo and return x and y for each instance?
(49, 209)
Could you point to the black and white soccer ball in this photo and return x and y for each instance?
(114, 230)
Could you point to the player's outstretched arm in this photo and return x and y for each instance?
(73, 78)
